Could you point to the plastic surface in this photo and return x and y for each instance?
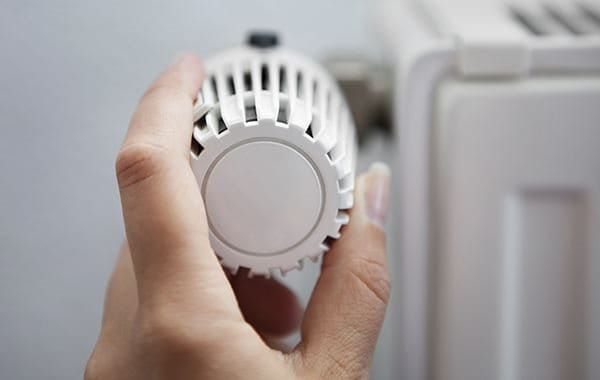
(263, 40)
(274, 152)
(513, 39)
(454, 228)
(516, 238)
(228, 211)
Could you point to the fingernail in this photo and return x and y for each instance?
(377, 193)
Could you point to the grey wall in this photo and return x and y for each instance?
(70, 75)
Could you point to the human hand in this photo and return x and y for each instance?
(171, 312)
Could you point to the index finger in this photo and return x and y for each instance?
(162, 206)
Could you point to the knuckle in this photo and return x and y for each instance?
(163, 332)
(372, 275)
(331, 364)
(343, 368)
(137, 162)
(170, 336)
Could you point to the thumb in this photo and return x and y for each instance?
(346, 310)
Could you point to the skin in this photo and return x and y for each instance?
(171, 311)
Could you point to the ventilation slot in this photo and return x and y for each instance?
(557, 19)
(282, 115)
(251, 113)
(196, 147)
(247, 81)
(222, 127)
(330, 156)
(568, 22)
(345, 183)
(300, 85)
(530, 24)
(213, 83)
(230, 85)
(282, 80)
(334, 154)
(201, 123)
(315, 95)
(264, 77)
(309, 130)
(593, 15)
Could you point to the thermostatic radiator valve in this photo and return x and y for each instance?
(274, 152)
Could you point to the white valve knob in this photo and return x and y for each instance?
(274, 153)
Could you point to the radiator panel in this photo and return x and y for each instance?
(516, 234)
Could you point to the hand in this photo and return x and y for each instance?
(172, 313)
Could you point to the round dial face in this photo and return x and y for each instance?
(262, 197)
(273, 151)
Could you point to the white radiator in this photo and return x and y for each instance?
(497, 261)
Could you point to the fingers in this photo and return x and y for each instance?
(165, 109)
(269, 306)
(163, 211)
(347, 308)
